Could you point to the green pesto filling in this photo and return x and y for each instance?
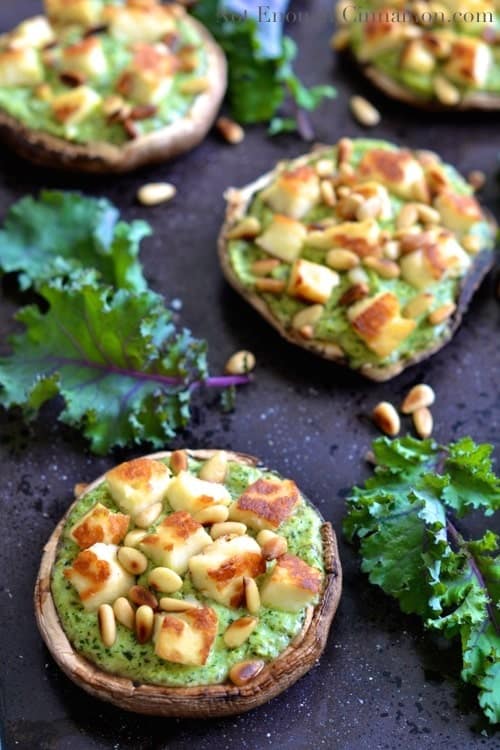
(128, 658)
(422, 83)
(334, 325)
(23, 104)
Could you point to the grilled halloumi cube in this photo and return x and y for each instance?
(20, 67)
(378, 322)
(76, 105)
(100, 525)
(380, 35)
(266, 503)
(219, 570)
(134, 23)
(417, 57)
(283, 238)
(458, 212)
(294, 193)
(369, 190)
(360, 237)
(98, 577)
(398, 170)
(176, 539)
(189, 493)
(135, 485)
(35, 32)
(312, 281)
(469, 62)
(292, 585)
(83, 12)
(87, 57)
(187, 637)
(442, 258)
(149, 77)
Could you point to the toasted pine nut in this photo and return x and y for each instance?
(195, 86)
(370, 209)
(340, 40)
(423, 422)
(155, 193)
(327, 193)
(239, 631)
(112, 104)
(370, 458)
(215, 469)
(385, 268)
(107, 624)
(265, 536)
(324, 168)
(241, 362)
(139, 596)
(427, 214)
(169, 604)
(343, 191)
(392, 250)
(307, 332)
(148, 516)
(358, 276)
(230, 130)
(252, 595)
(228, 527)
(247, 228)
(445, 91)
(345, 148)
(274, 547)
(442, 313)
(124, 612)
(212, 514)
(79, 489)
(271, 286)
(354, 294)
(471, 244)
(178, 461)
(348, 207)
(407, 217)
(265, 266)
(44, 92)
(418, 305)
(246, 671)
(144, 620)
(309, 316)
(386, 418)
(342, 260)
(418, 397)
(132, 560)
(364, 112)
(476, 178)
(134, 537)
(164, 579)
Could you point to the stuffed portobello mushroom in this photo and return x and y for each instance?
(108, 85)
(365, 253)
(192, 583)
(430, 55)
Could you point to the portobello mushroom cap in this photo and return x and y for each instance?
(238, 201)
(203, 701)
(47, 150)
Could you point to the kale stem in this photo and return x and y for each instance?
(459, 541)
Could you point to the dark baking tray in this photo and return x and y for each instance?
(378, 684)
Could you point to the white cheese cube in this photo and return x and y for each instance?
(219, 570)
(20, 67)
(266, 504)
(187, 637)
(84, 12)
(98, 577)
(35, 32)
(175, 541)
(458, 212)
(74, 106)
(378, 322)
(86, 57)
(100, 525)
(283, 238)
(312, 281)
(139, 24)
(291, 586)
(135, 485)
(294, 193)
(187, 492)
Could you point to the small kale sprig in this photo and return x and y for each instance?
(123, 370)
(411, 547)
(260, 61)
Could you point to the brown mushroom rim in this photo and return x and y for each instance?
(156, 81)
(417, 44)
(127, 658)
(365, 315)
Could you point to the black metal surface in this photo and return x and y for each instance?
(377, 686)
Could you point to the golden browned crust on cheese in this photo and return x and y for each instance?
(203, 701)
(238, 201)
(182, 135)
